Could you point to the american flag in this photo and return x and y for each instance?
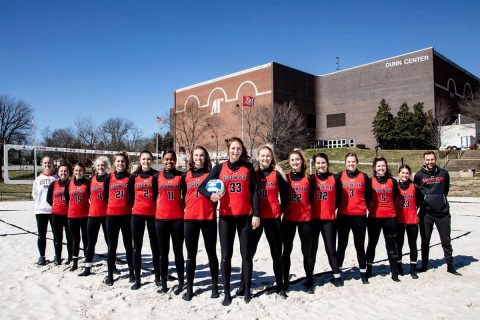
(248, 101)
(160, 121)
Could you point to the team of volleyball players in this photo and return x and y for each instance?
(177, 206)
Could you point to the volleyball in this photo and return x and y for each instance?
(216, 186)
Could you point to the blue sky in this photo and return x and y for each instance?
(104, 58)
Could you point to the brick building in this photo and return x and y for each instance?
(339, 105)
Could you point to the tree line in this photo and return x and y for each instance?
(415, 128)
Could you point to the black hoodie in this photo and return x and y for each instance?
(434, 186)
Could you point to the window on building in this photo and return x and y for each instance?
(336, 120)
(216, 105)
(311, 121)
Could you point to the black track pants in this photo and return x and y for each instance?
(114, 225)
(412, 235)
(358, 225)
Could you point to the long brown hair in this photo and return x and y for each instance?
(299, 152)
(244, 155)
(379, 159)
(127, 161)
(139, 169)
(208, 163)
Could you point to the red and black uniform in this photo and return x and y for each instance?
(271, 184)
(408, 200)
(97, 213)
(326, 198)
(200, 214)
(298, 215)
(77, 193)
(382, 216)
(237, 205)
(56, 198)
(169, 222)
(141, 197)
(352, 214)
(119, 216)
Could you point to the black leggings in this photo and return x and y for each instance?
(227, 226)
(273, 232)
(192, 234)
(93, 228)
(60, 223)
(412, 235)
(42, 226)
(138, 229)
(329, 234)
(289, 228)
(443, 225)
(114, 225)
(167, 229)
(358, 225)
(389, 228)
(77, 225)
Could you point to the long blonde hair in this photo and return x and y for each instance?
(273, 163)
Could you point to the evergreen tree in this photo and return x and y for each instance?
(421, 129)
(404, 131)
(383, 125)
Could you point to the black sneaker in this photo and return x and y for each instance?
(41, 261)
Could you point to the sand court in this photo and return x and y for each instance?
(29, 291)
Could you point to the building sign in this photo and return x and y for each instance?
(406, 61)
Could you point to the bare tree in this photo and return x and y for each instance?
(87, 132)
(217, 136)
(470, 106)
(436, 122)
(188, 126)
(15, 122)
(285, 127)
(253, 121)
(116, 132)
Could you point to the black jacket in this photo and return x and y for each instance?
(434, 187)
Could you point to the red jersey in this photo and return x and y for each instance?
(77, 200)
(298, 207)
(98, 206)
(268, 195)
(117, 197)
(382, 205)
(237, 198)
(197, 207)
(143, 203)
(169, 199)
(323, 206)
(353, 195)
(59, 205)
(406, 205)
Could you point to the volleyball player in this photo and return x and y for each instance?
(408, 201)
(200, 214)
(327, 194)
(43, 210)
(271, 183)
(169, 218)
(382, 215)
(141, 197)
(297, 216)
(56, 198)
(97, 211)
(76, 194)
(119, 213)
(352, 211)
(237, 205)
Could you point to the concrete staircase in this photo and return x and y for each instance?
(469, 160)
